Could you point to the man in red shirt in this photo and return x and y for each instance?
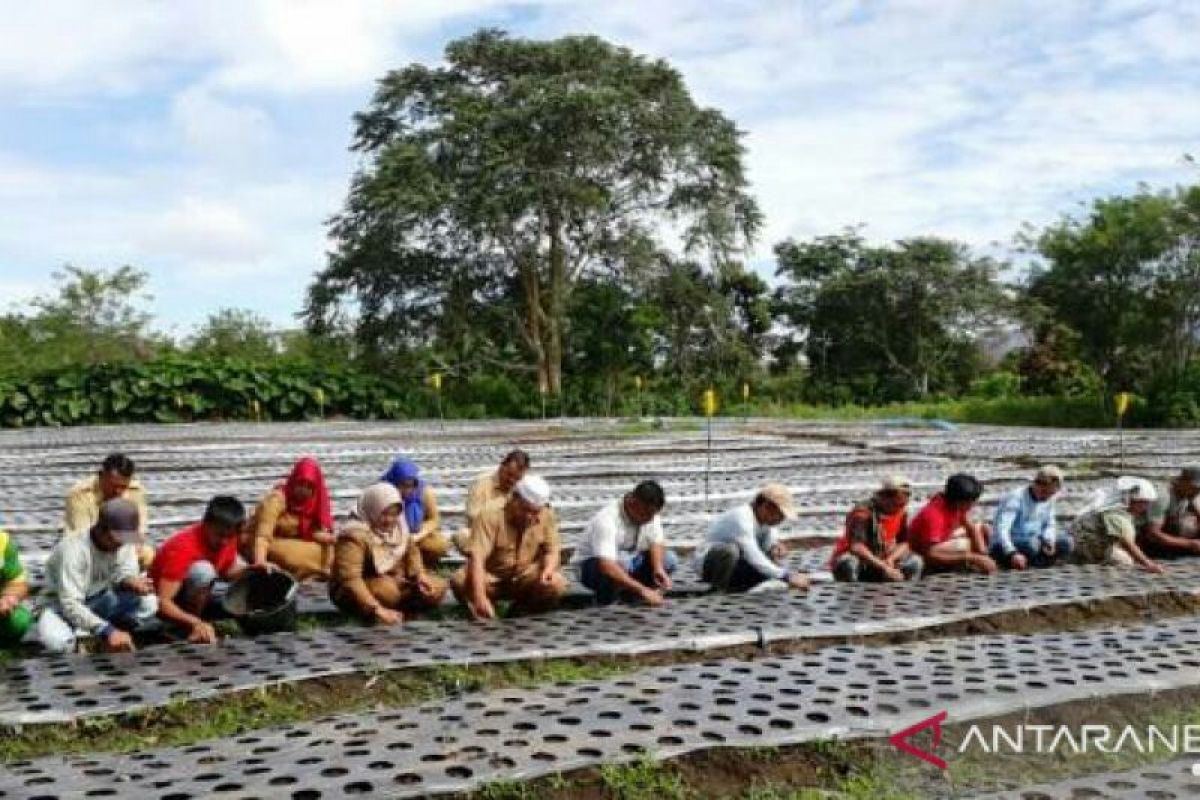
(943, 534)
(189, 563)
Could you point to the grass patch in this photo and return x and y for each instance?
(186, 723)
(804, 772)
(1060, 412)
(663, 425)
(644, 780)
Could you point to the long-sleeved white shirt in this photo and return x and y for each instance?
(77, 570)
(738, 526)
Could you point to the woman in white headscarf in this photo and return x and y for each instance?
(1105, 532)
(377, 568)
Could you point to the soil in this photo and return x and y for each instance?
(350, 693)
(731, 772)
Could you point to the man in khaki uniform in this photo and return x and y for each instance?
(496, 485)
(513, 554)
(115, 479)
(492, 487)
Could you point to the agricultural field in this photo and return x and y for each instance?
(767, 695)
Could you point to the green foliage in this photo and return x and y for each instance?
(886, 323)
(177, 388)
(1125, 279)
(999, 384)
(1067, 412)
(1052, 364)
(493, 184)
(235, 333)
(92, 318)
(1172, 400)
(644, 780)
(707, 327)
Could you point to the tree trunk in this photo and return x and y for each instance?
(532, 324)
(557, 310)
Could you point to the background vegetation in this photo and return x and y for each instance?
(557, 227)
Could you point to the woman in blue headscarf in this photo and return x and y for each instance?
(420, 510)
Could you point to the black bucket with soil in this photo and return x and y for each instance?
(263, 602)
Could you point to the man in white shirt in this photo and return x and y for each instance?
(624, 550)
(741, 550)
(96, 583)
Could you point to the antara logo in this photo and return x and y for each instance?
(900, 740)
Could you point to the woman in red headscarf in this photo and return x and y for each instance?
(293, 525)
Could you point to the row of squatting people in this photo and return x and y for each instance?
(100, 576)
(1130, 524)
(97, 583)
(378, 569)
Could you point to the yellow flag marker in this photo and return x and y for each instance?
(637, 381)
(1123, 401)
(710, 402)
(435, 380)
(745, 392)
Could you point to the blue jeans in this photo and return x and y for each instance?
(1063, 545)
(125, 610)
(637, 565)
(201, 577)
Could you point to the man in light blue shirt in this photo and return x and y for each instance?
(1024, 531)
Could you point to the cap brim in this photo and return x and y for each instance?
(127, 537)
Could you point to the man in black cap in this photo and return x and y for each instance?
(1171, 528)
(97, 586)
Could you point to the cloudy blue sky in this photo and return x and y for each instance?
(205, 142)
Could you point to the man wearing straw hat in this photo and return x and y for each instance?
(742, 550)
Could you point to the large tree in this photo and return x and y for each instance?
(892, 321)
(1126, 279)
(522, 166)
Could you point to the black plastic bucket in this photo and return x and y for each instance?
(263, 602)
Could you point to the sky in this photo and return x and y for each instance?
(207, 142)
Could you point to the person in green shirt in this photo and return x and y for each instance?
(15, 618)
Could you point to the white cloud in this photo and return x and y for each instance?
(221, 130)
(914, 116)
(284, 46)
(204, 230)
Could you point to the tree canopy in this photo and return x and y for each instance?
(492, 186)
(893, 321)
(1125, 278)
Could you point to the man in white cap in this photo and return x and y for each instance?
(96, 584)
(1024, 529)
(513, 554)
(742, 550)
(624, 551)
(1105, 534)
(873, 547)
(1171, 526)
